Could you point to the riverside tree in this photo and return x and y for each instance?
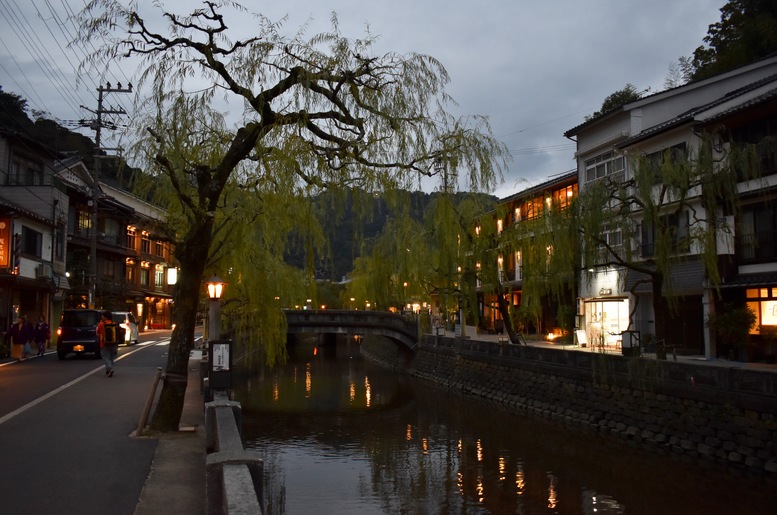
(323, 112)
(670, 207)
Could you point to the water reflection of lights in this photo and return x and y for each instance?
(599, 503)
(552, 494)
(308, 380)
(520, 480)
(481, 490)
(368, 393)
(460, 446)
(352, 393)
(502, 468)
(460, 482)
(425, 445)
(480, 450)
(276, 393)
(409, 433)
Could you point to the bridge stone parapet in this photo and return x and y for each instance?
(396, 327)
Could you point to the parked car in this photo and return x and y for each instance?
(77, 332)
(127, 322)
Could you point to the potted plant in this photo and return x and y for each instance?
(732, 326)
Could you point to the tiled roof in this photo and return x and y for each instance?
(691, 114)
(743, 280)
(549, 184)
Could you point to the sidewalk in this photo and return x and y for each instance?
(176, 483)
(695, 359)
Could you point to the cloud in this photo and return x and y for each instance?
(534, 68)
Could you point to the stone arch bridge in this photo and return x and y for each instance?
(396, 327)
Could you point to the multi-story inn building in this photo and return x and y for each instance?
(738, 106)
(33, 217)
(530, 205)
(54, 218)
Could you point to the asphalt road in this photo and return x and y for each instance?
(65, 444)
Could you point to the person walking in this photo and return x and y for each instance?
(21, 334)
(42, 335)
(108, 332)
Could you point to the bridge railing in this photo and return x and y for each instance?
(233, 475)
(367, 321)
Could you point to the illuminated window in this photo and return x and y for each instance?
(518, 266)
(533, 208)
(562, 198)
(83, 221)
(762, 302)
(131, 237)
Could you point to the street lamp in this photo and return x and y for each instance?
(215, 289)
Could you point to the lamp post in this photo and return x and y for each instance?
(215, 289)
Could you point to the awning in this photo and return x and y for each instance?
(158, 294)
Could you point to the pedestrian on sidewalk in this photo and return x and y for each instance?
(21, 334)
(42, 335)
(108, 331)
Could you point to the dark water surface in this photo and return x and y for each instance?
(340, 435)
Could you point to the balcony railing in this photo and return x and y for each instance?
(756, 247)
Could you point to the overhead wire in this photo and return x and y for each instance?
(62, 36)
(71, 16)
(31, 40)
(543, 150)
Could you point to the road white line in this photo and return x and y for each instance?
(42, 398)
(65, 386)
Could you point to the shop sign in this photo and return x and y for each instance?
(5, 242)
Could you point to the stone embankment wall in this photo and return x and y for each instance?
(723, 414)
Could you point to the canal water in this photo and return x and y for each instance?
(340, 435)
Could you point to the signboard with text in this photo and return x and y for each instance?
(220, 357)
(5, 242)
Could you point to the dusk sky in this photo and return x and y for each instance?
(535, 69)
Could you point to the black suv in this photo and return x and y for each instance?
(78, 332)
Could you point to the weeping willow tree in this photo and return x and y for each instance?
(672, 206)
(412, 260)
(548, 260)
(316, 113)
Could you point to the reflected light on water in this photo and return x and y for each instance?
(520, 480)
(308, 380)
(323, 451)
(368, 392)
(552, 494)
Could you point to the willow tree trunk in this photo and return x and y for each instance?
(192, 256)
(660, 314)
(504, 310)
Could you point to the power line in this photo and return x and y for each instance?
(29, 37)
(543, 150)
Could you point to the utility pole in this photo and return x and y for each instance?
(97, 124)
